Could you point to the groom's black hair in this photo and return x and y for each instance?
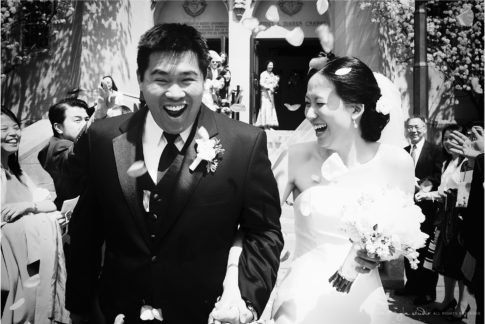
(357, 85)
(175, 39)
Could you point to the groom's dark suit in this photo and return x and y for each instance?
(179, 264)
(428, 167)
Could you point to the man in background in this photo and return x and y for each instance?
(68, 118)
(427, 169)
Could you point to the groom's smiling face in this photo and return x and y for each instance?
(173, 86)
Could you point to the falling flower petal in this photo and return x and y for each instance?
(146, 313)
(322, 6)
(202, 133)
(333, 167)
(19, 303)
(146, 200)
(477, 87)
(157, 314)
(292, 107)
(343, 71)
(295, 37)
(325, 36)
(120, 319)
(238, 107)
(272, 14)
(250, 23)
(32, 282)
(465, 18)
(261, 28)
(137, 169)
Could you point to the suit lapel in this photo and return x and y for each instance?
(124, 147)
(187, 180)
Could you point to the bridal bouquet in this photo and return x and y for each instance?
(384, 223)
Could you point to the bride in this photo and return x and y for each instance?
(343, 106)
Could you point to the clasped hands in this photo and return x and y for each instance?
(230, 308)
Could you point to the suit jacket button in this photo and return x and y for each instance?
(154, 258)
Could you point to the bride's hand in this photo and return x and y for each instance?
(366, 262)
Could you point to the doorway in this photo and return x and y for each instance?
(291, 65)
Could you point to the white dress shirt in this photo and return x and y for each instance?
(154, 143)
(419, 148)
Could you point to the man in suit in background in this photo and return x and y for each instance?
(168, 223)
(68, 118)
(427, 161)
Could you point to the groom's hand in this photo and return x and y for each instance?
(236, 313)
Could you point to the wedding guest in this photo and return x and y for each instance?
(32, 266)
(110, 99)
(472, 147)
(427, 159)
(268, 82)
(473, 235)
(212, 83)
(68, 118)
(168, 219)
(224, 61)
(214, 66)
(449, 253)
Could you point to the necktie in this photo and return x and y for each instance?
(168, 155)
(413, 153)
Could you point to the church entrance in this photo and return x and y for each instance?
(291, 64)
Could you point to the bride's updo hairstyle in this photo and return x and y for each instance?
(355, 84)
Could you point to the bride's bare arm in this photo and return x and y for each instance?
(231, 279)
(231, 305)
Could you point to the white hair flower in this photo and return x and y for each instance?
(383, 106)
(343, 71)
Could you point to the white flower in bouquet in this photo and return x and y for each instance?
(383, 222)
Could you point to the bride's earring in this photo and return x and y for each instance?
(354, 123)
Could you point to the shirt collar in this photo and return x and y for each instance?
(153, 133)
(419, 145)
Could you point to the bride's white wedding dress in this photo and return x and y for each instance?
(305, 295)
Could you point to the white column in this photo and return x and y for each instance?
(239, 59)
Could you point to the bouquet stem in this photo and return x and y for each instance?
(347, 270)
(344, 277)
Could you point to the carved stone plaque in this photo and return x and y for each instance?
(194, 7)
(290, 7)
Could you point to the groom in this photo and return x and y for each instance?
(167, 231)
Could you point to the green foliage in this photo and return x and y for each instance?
(27, 28)
(454, 37)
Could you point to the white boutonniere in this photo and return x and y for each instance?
(148, 313)
(208, 149)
